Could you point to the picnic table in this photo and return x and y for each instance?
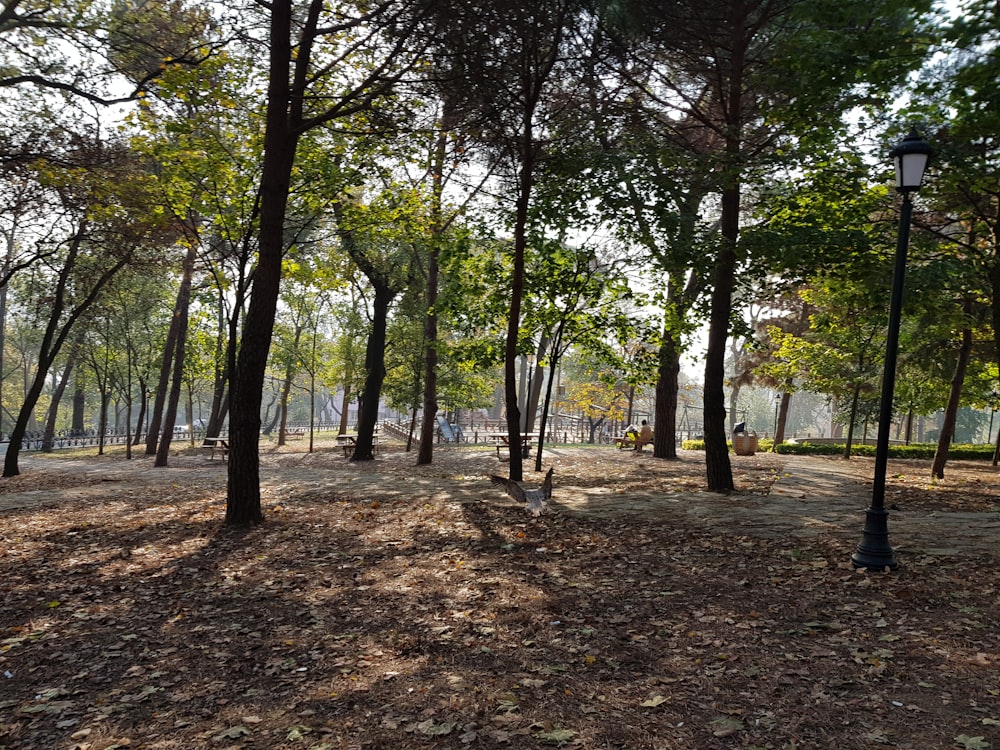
(502, 440)
(218, 445)
(349, 441)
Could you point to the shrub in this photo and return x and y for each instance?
(915, 451)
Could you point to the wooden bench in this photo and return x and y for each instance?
(218, 445)
(627, 441)
(296, 433)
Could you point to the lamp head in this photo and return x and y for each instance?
(910, 158)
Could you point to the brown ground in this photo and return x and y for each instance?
(397, 607)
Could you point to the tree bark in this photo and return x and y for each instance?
(779, 430)
(163, 383)
(947, 434)
(848, 443)
(667, 384)
(180, 347)
(717, 466)
(375, 366)
(425, 449)
(243, 496)
(53, 338)
(50, 422)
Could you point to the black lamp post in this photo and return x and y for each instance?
(910, 158)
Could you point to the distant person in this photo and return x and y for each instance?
(645, 436)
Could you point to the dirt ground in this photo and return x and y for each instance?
(385, 605)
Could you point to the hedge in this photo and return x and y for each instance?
(916, 450)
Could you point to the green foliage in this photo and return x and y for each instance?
(923, 451)
(916, 451)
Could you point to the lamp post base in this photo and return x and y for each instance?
(874, 551)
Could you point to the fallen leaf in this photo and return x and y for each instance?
(232, 733)
(724, 726)
(555, 736)
(972, 743)
(432, 729)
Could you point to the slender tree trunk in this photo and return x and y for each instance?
(731, 93)
(345, 405)
(53, 339)
(141, 418)
(413, 428)
(554, 354)
(181, 310)
(779, 430)
(286, 389)
(163, 383)
(425, 450)
(5, 270)
(535, 382)
(855, 398)
(48, 437)
(947, 434)
(543, 426)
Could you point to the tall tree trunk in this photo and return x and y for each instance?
(53, 338)
(717, 466)
(167, 362)
(5, 270)
(286, 388)
(375, 366)
(48, 437)
(536, 380)
(280, 141)
(180, 346)
(667, 384)
(141, 417)
(553, 355)
(516, 469)
(425, 450)
(947, 434)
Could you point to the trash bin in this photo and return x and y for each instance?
(744, 444)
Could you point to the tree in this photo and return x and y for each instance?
(104, 232)
(506, 55)
(306, 48)
(748, 72)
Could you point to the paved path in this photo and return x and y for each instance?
(810, 498)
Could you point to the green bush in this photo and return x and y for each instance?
(916, 450)
(763, 445)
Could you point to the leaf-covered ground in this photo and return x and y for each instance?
(393, 606)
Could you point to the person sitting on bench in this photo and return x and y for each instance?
(645, 436)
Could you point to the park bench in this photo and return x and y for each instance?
(630, 441)
(296, 433)
(218, 445)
